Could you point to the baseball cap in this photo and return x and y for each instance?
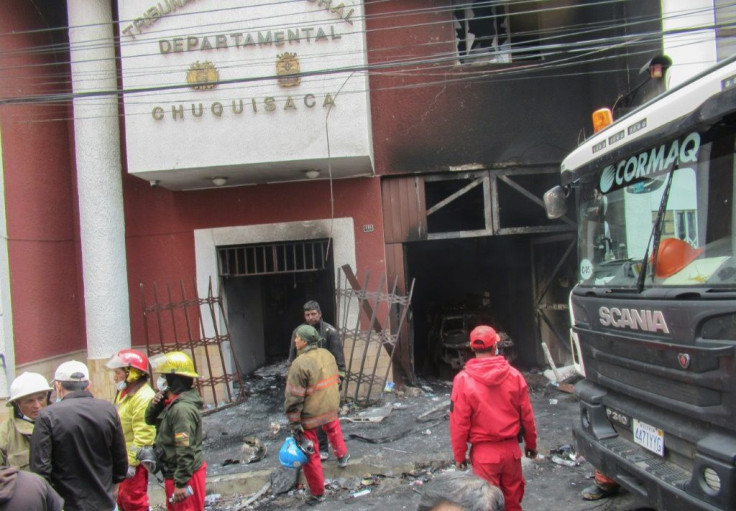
(483, 337)
(307, 334)
(72, 371)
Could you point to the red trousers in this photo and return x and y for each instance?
(196, 501)
(500, 464)
(313, 467)
(133, 492)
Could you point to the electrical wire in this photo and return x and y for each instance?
(415, 66)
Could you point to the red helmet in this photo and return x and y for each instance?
(483, 337)
(129, 358)
(673, 255)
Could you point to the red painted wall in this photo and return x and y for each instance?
(39, 189)
(160, 224)
(42, 209)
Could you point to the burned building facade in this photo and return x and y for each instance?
(257, 149)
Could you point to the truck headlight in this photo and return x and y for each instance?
(711, 479)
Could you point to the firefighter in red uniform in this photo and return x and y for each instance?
(490, 407)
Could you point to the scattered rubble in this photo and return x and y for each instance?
(391, 459)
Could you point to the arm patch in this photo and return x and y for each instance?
(181, 439)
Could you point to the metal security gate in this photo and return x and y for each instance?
(273, 258)
(177, 324)
(370, 346)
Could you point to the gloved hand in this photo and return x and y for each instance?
(461, 466)
(530, 453)
(296, 429)
(131, 472)
(302, 442)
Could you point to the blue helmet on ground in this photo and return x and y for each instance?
(290, 455)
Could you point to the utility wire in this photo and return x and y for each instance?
(435, 63)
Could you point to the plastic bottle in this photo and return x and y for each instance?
(189, 492)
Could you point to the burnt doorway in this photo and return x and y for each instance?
(485, 279)
(554, 267)
(265, 287)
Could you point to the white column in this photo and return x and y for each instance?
(7, 347)
(692, 42)
(99, 180)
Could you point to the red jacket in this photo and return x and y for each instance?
(490, 403)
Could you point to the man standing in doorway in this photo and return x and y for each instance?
(78, 444)
(490, 406)
(331, 342)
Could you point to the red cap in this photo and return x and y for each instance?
(483, 337)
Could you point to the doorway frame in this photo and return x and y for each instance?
(206, 242)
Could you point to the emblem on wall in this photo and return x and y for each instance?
(286, 65)
(202, 75)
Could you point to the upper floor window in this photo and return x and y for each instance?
(496, 31)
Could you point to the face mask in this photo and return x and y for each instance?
(120, 385)
(161, 384)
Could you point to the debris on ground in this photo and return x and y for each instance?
(379, 473)
(565, 455)
(372, 414)
(252, 450)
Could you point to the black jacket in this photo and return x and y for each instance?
(79, 447)
(24, 491)
(330, 341)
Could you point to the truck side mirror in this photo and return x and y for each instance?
(555, 202)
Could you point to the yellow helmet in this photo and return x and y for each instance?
(174, 362)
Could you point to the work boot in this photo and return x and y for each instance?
(343, 461)
(323, 455)
(313, 500)
(595, 492)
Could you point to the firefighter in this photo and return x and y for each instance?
(130, 374)
(311, 402)
(330, 340)
(29, 394)
(176, 412)
(490, 407)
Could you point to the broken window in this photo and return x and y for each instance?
(457, 203)
(496, 31)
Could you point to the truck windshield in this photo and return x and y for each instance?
(673, 199)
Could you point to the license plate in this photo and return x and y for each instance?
(649, 437)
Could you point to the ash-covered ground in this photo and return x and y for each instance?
(391, 460)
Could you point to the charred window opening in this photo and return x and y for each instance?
(455, 205)
(496, 32)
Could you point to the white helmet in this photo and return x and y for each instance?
(27, 384)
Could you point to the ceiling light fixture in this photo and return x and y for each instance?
(311, 173)
(219, 181)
